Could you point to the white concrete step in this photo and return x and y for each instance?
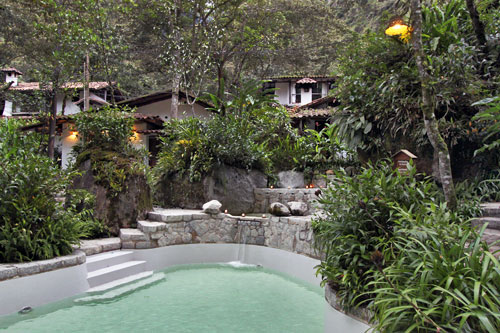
(141, 280)
(115, 272)
(120, 282)
(107, 259)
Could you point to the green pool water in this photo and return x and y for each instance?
(191, 298)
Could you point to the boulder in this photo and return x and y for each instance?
(123, 209)
(212, 207)
(292, 179)
(232, 187)
(278, 209)
(298, 208)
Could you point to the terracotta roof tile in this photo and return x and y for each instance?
(316, 102)
(11, 69)
(26, 86)
(306, 80)
(310, 113)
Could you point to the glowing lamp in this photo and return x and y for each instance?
(400, 29)
(73, 134)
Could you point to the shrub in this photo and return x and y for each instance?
(359, 219)
(443, 279)
(239, 135)
(33, 225)
(106, 141)
(110, 128)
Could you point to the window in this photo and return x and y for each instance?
(269, 88)
(297, 94)
(316, 91)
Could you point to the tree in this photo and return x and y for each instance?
(431, 124)
(55, 44)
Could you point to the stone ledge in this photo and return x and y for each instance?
(10, 271)
(96, 246)
(132, 235)
(150, 227)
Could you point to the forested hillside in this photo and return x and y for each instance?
(198, 45)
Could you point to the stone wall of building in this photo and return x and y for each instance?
(172, 227)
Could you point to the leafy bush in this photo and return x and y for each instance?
(442, 279)
(359, 219)
(33, 225)
(391, 244)
(110, 128)
(239, 135)
(313, 152)
(106, 141)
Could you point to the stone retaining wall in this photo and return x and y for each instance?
(266, 196)
(10, 271)
(173, 227)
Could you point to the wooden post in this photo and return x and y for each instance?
(86, 90)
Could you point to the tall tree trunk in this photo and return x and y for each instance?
(478, 25)
(431, 124)
(176, 79)
(86, 90)
(52, 125)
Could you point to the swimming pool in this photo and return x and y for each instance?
(188, 298)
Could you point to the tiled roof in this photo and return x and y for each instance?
(306, 80)
(299, 76)
(11, 69)
(150, 131)
(93, 98)
(156, 120)
(157, 97)
(26, 86)
(316, 102)
(310, 113)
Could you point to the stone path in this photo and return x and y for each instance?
(491, 215)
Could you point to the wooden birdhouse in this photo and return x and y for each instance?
(402, 159)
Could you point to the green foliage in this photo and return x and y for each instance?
(106, 141)
(442, 277)
(379, 89)
(110, 128)
(392, 245)
(82, 202)
(33, 225)
(313, 152)
(360, 219)
(489, 119)
(238, 135)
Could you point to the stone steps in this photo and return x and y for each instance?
(491, 216)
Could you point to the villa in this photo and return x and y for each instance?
(306, 99)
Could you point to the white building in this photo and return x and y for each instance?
(68, 102)
(306, 99)
(299, 90)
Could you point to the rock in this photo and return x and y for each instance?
(292, 179)
(232, 187)
(121, 210)
(279, 209)
(212, 207)
(298, 208)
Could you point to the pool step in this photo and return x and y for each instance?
(115, 272)
(108, 259)
(145, 280)
(122, 281)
